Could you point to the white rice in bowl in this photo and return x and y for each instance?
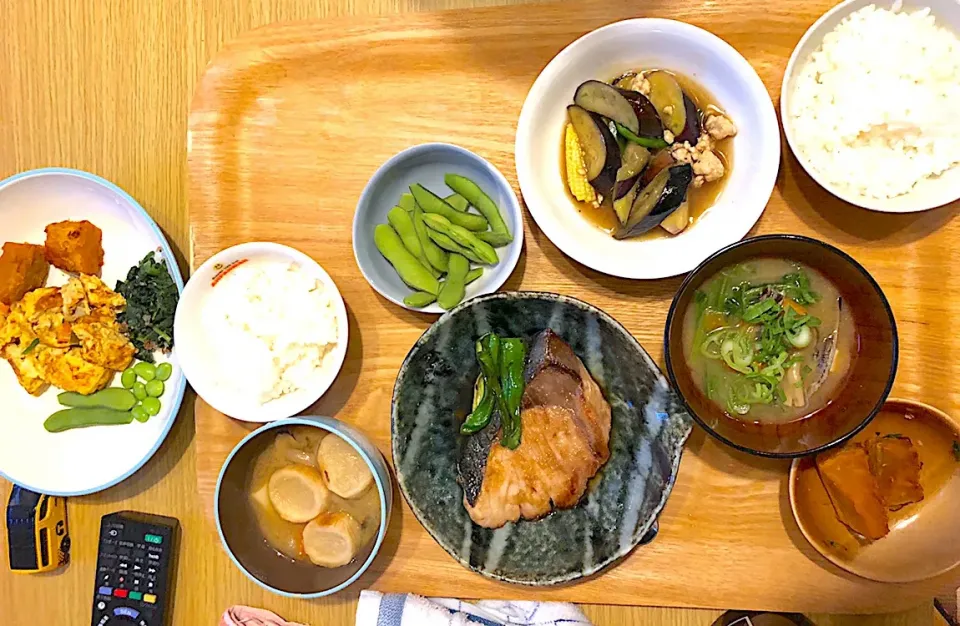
(875, 109)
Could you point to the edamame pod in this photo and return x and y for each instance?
(402, 222)
(453, 288)
(433, 204)
(457, 201)
(113, 398)
(495, 239)
(435, 256)
(449, 244)
(420, 299)
(407, 203)
(411, 271)
(473, 275)
(475, 196)
(67, 419)
(463, 237)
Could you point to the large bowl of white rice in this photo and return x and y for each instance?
(869, 103)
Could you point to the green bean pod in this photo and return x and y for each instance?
(449, 244)
(433, 204)
(437, 257)
(454, 285)
(513, 355)
(67, 419)
(463, 237)
(420, 299)
(475, 196)
(411, 271)
(114, 398)
(495, 239)
(457, 201)
(402, 222)
(473, 275)
(407, 203)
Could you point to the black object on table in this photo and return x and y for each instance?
(136, 565)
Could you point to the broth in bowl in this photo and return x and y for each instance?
(314, 497)
(769, 340)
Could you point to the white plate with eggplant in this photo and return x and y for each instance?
(645, 146)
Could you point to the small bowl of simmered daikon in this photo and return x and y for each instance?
(303, 504)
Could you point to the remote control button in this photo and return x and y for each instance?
(120, 593)
(114, 532)
(151, 570)
(136, 595)
(126, 611)
(149, 598)
(123, 551)
(101, 605)
(155, 557)
(105, 591)
(139, 553)
(108, 549)
(136, 567)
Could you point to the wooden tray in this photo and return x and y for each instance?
(290, 121)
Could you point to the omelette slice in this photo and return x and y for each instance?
(103, 344)
(26, 367)
(66, 369)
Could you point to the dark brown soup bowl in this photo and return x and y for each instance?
(855, 402)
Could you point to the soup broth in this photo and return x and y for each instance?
(769, 341)
(299, 446)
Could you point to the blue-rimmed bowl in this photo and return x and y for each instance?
(83, 460)
(427, 164)
(240, 534)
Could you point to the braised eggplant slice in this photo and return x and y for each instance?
(606, 181)
(677, 222)
(664, 195)
(633, 158)
(591, 140)
(693, 126)
(602, 99)
(658, 162)
(650, 125)
(667, 97)
(622, 187)
(621, 206)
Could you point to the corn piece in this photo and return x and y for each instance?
(576, 169)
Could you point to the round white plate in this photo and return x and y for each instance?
(637, 44)
(84, 460)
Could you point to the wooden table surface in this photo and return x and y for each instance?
(104, 86)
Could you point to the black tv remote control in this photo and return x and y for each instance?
(136, 563)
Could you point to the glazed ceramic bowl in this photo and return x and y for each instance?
(927, 194)
(201, 361)
(922, 538)
(607, 52)
(427, 164)
(855, 403)
(240, 534)
(433, 394)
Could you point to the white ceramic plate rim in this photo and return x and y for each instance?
(328, 424)
(272, 410)
(747, 212)
(177, 397)
(506, 265)
(892, 205)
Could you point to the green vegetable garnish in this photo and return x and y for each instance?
(513, 356)
(30, 348)
(151, 303)
(488, 355)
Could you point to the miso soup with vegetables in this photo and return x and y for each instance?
(314, 497)
(769, 341)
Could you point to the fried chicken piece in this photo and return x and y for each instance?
(23, 268)
(75, 247)
(853, 491)
(895, 464)
(103, 344)
(66, 369)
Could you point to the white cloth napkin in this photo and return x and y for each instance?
(402, 609)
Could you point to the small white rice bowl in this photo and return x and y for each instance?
(871, 109)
